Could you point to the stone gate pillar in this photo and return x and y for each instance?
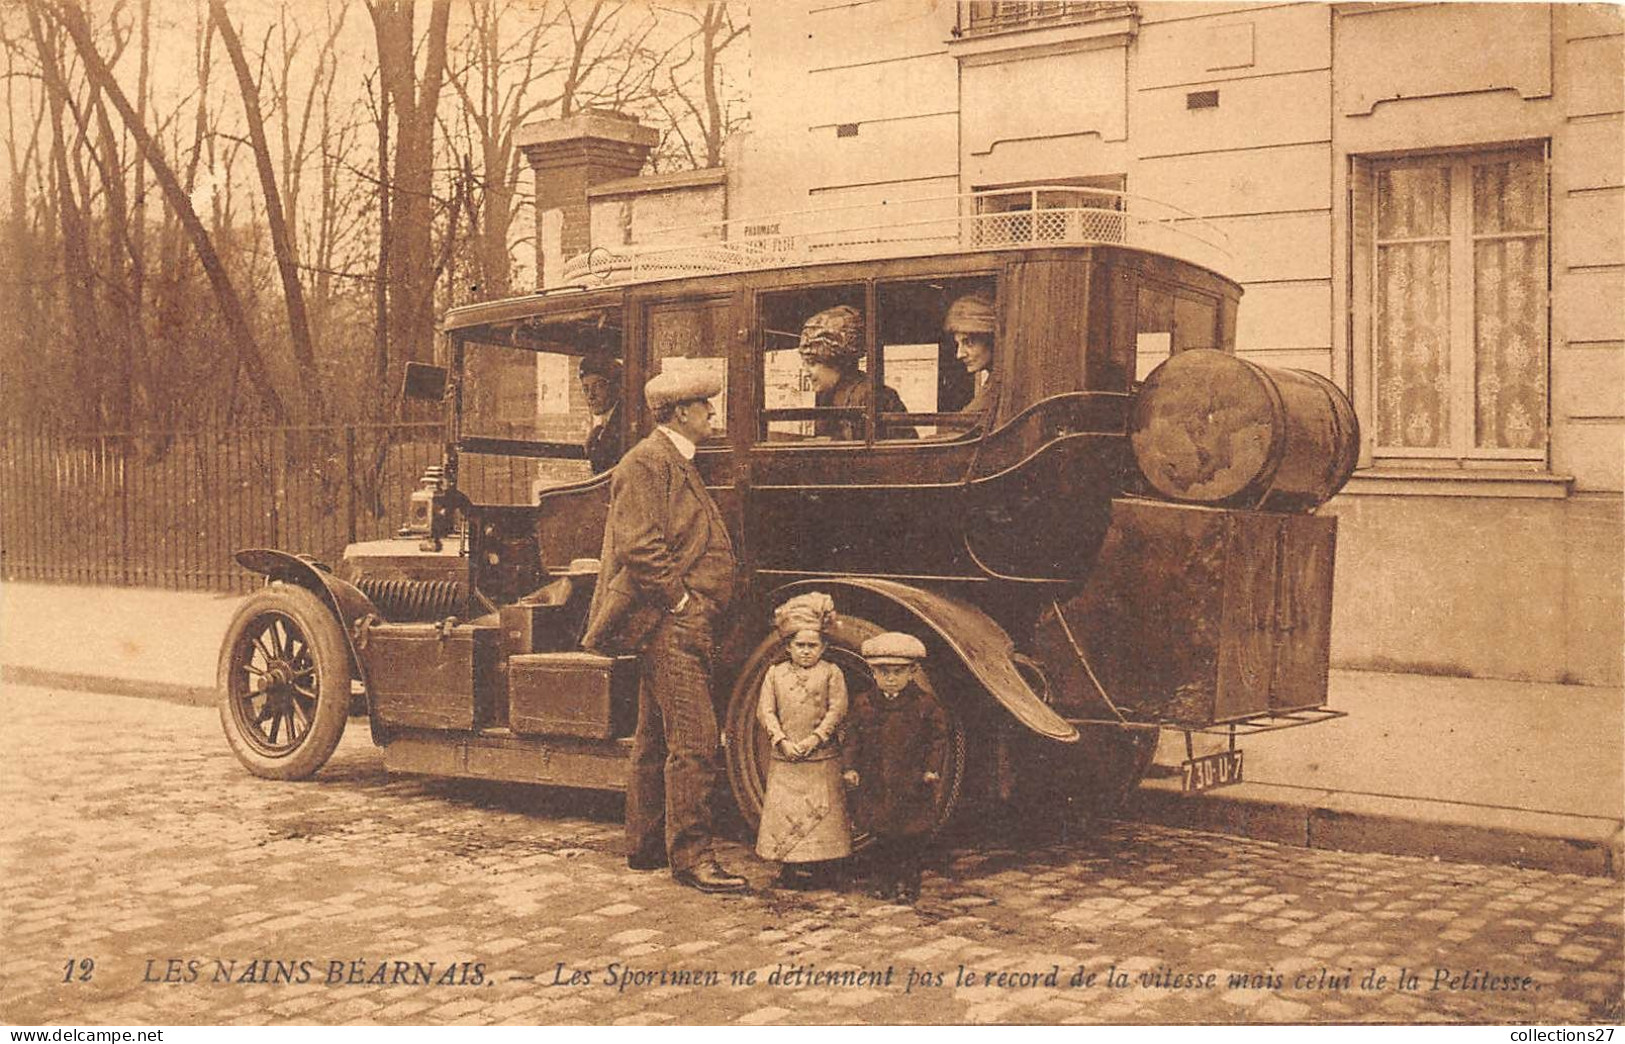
(570, 156)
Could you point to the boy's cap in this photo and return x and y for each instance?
(893, 647)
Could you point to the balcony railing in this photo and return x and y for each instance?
(1002, 219)
(997, 16)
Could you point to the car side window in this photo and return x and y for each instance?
(920, 359)
(800, 391)
(692, 337)
(1170, 320)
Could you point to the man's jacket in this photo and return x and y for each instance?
(664, 537)
(603, 444)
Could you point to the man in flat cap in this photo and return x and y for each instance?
(667, 574)
(600, 375)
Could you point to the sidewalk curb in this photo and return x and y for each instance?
(168, 692)
(1348, 822)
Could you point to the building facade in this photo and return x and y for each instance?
(1424, 202)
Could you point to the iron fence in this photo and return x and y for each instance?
(168, 509)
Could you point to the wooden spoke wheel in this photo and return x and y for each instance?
(748, 749)
(284, 683)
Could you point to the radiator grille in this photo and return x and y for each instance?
(416, 600)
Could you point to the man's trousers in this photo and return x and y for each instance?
(674, 749)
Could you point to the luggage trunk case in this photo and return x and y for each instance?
(1197, 616)
(572, 694)
(423, 676)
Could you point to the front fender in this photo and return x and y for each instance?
(346, 601)
(975, 639)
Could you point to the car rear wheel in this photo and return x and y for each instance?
(1057, 786)
(284, 683)
(748, 749)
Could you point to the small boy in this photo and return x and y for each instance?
(896, 741)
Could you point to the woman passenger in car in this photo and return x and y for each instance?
(832, 343)
(970, 321)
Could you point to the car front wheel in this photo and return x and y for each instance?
(284, 683)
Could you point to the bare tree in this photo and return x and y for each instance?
(25, 280)
(212, 242)
(246, 347)
(494, 84)
(72, 212)
(572, 55)
(408, 266)
(282, 243)
(693, 99)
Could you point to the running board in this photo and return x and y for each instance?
(497, 754)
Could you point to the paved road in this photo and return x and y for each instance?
(130, 837)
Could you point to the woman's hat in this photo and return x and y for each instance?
(893, 647)
(833, 336)
(813, 611)
(971, 314)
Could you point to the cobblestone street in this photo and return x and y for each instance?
(132, 838)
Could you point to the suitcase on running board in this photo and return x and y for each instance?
(572, 694)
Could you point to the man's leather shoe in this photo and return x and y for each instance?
(657, 861)
(709, 877)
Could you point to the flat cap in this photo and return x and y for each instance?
(670, 389)
(893, 647)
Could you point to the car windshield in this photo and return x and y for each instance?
(532, 390)
(516, 393)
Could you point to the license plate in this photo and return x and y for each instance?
(1211, 770)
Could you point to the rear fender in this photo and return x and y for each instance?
(343, 598)
(979, 644)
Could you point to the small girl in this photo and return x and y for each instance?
(803, 702)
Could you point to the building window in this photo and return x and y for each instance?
(1451, 274)
(992, 16)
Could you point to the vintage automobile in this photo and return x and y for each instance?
(1093, 559)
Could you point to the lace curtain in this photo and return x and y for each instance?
(1473, 381)
(1509, 297)
(1413, 306)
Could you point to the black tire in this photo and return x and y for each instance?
(284, 682)
(748, 750)
(1061, 784)
(1119, 760)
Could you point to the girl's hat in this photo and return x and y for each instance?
(813, 611)
(893, 647)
